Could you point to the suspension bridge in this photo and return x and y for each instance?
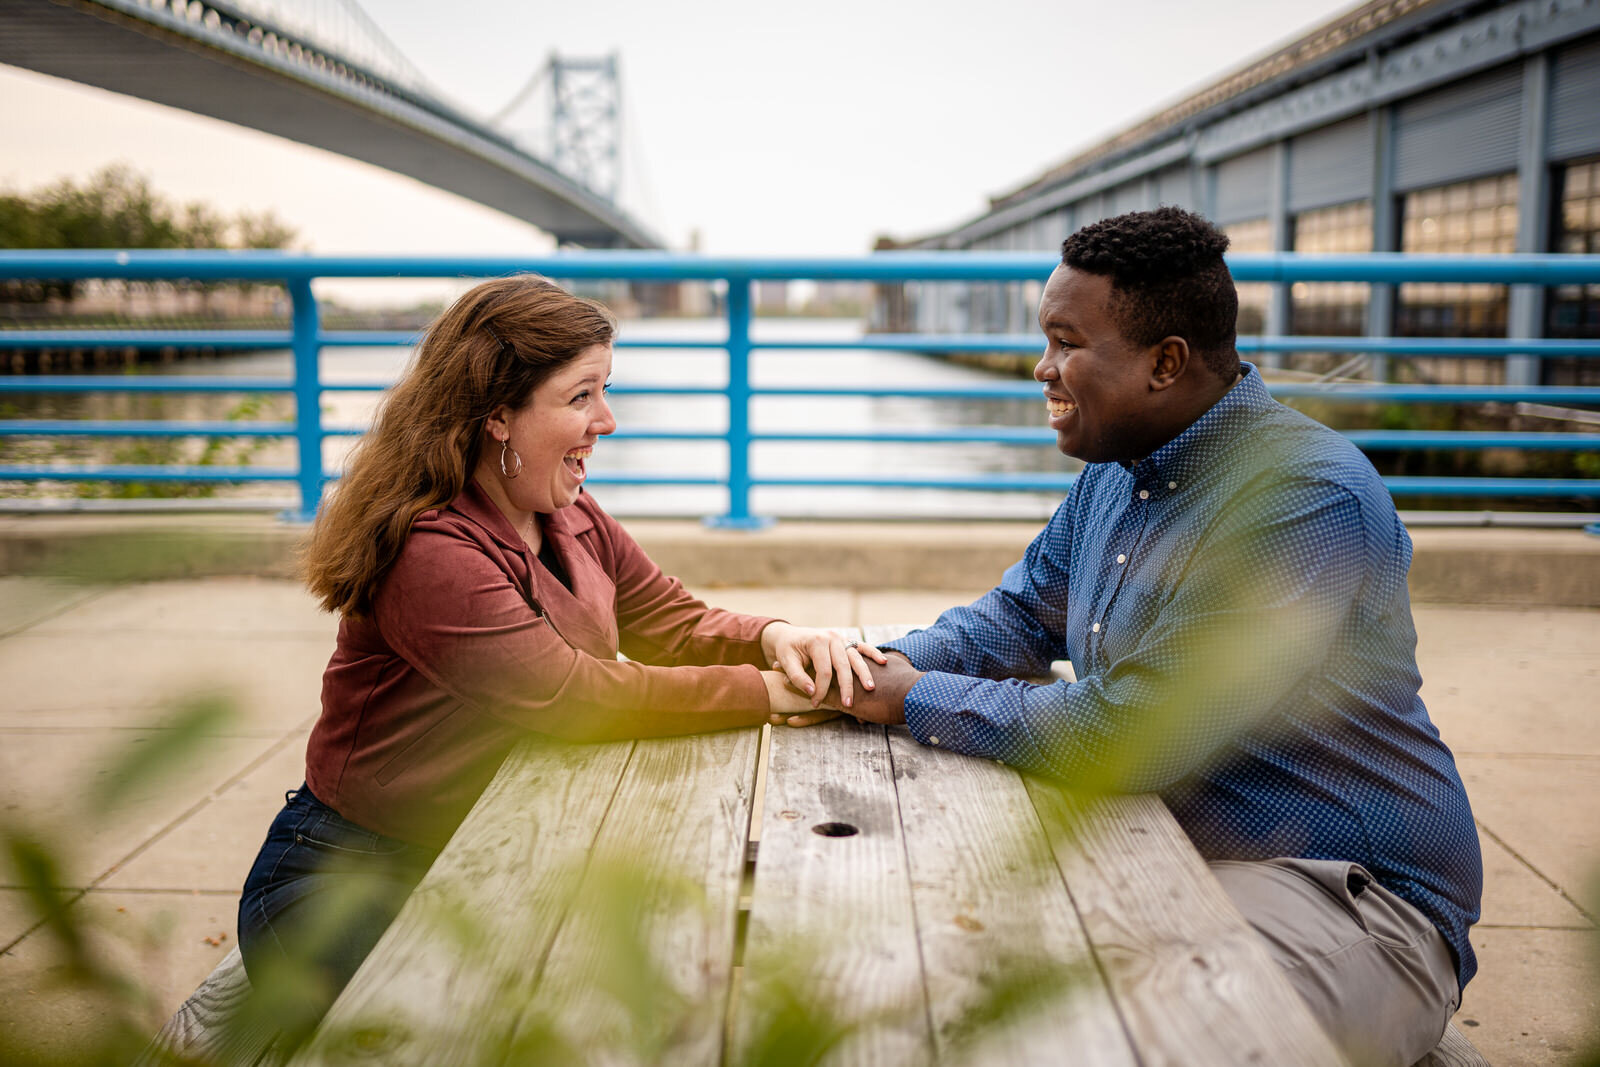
(320, 72)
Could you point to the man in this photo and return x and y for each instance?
(1228, 578)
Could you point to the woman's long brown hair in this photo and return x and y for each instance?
(493, 346)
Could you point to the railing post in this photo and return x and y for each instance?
(1525, 310)
(738, 514)
(306, 345)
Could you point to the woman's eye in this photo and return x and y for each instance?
(606, 388)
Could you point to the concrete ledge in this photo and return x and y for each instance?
(111, 548)
(1491, 566)
(1549, 568)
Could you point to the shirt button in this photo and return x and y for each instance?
(1121, 558)
(933, 740)
(1144, 494)
(1095, 627)
(1172, 485)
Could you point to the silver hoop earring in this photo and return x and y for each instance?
(505, 446)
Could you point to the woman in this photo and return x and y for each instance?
(484, 596)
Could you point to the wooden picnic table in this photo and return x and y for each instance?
(916, 905)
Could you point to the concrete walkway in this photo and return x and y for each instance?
(91, 671)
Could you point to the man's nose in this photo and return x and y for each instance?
(1045, 369)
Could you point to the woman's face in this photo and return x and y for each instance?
(554, 432)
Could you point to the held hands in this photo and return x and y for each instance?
(791, 649)
(886, 702)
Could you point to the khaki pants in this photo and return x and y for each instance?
(1376, 973)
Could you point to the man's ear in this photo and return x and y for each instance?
(1171, 360)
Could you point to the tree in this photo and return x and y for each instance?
(117, 208)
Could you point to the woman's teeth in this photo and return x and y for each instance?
(1059, 407)
(574, 459)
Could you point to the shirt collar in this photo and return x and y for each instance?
(1206, 440)
(474, 505)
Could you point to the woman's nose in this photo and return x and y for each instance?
(605, 422)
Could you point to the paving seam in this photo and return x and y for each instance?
(145, 845)
(1520, 858)
(94, 594)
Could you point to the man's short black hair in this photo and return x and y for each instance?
(1168, 279)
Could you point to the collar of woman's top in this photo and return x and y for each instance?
(474, 504)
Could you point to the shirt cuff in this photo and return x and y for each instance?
(973, 716)
(921, 647)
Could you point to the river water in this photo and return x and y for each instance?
(647, 367)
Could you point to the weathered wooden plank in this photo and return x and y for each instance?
(1453, 1050)
(447, 982)
(995, 923)
(831, 915)
(1193, 982)
(1010, 977)
(213, 1025)
(641, 969)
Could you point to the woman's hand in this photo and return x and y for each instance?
(790, 649)
(788, 707)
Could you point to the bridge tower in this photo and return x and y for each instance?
(582, 130)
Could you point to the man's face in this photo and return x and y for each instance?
(1096, 383)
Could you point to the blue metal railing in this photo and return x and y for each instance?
(306, 338)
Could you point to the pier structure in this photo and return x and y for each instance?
(1411, 126)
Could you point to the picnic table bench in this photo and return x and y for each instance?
(889, 903)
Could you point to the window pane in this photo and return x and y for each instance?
(1329, 309)
(1474, 218)
(1574, 310)
(1253, 235)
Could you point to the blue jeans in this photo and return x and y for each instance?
(321, 893)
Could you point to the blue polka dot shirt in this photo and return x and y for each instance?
(1235, 610)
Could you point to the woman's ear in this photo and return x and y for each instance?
(499, 423)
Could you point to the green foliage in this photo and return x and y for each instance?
(194, 717)
(117, 208)
(121, 1012)
(617, 999)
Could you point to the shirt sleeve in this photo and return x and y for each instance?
(661, 623)
(1015, 628)
(1263, 600)
(455, 615)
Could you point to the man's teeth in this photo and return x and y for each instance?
(1059, 407)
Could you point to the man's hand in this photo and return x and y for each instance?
(884, 703)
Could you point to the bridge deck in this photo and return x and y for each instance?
(211, 70)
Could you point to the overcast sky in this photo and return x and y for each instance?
(768, 128)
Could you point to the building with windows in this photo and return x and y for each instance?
(1403, 125)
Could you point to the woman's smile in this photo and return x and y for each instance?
(574, 461)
